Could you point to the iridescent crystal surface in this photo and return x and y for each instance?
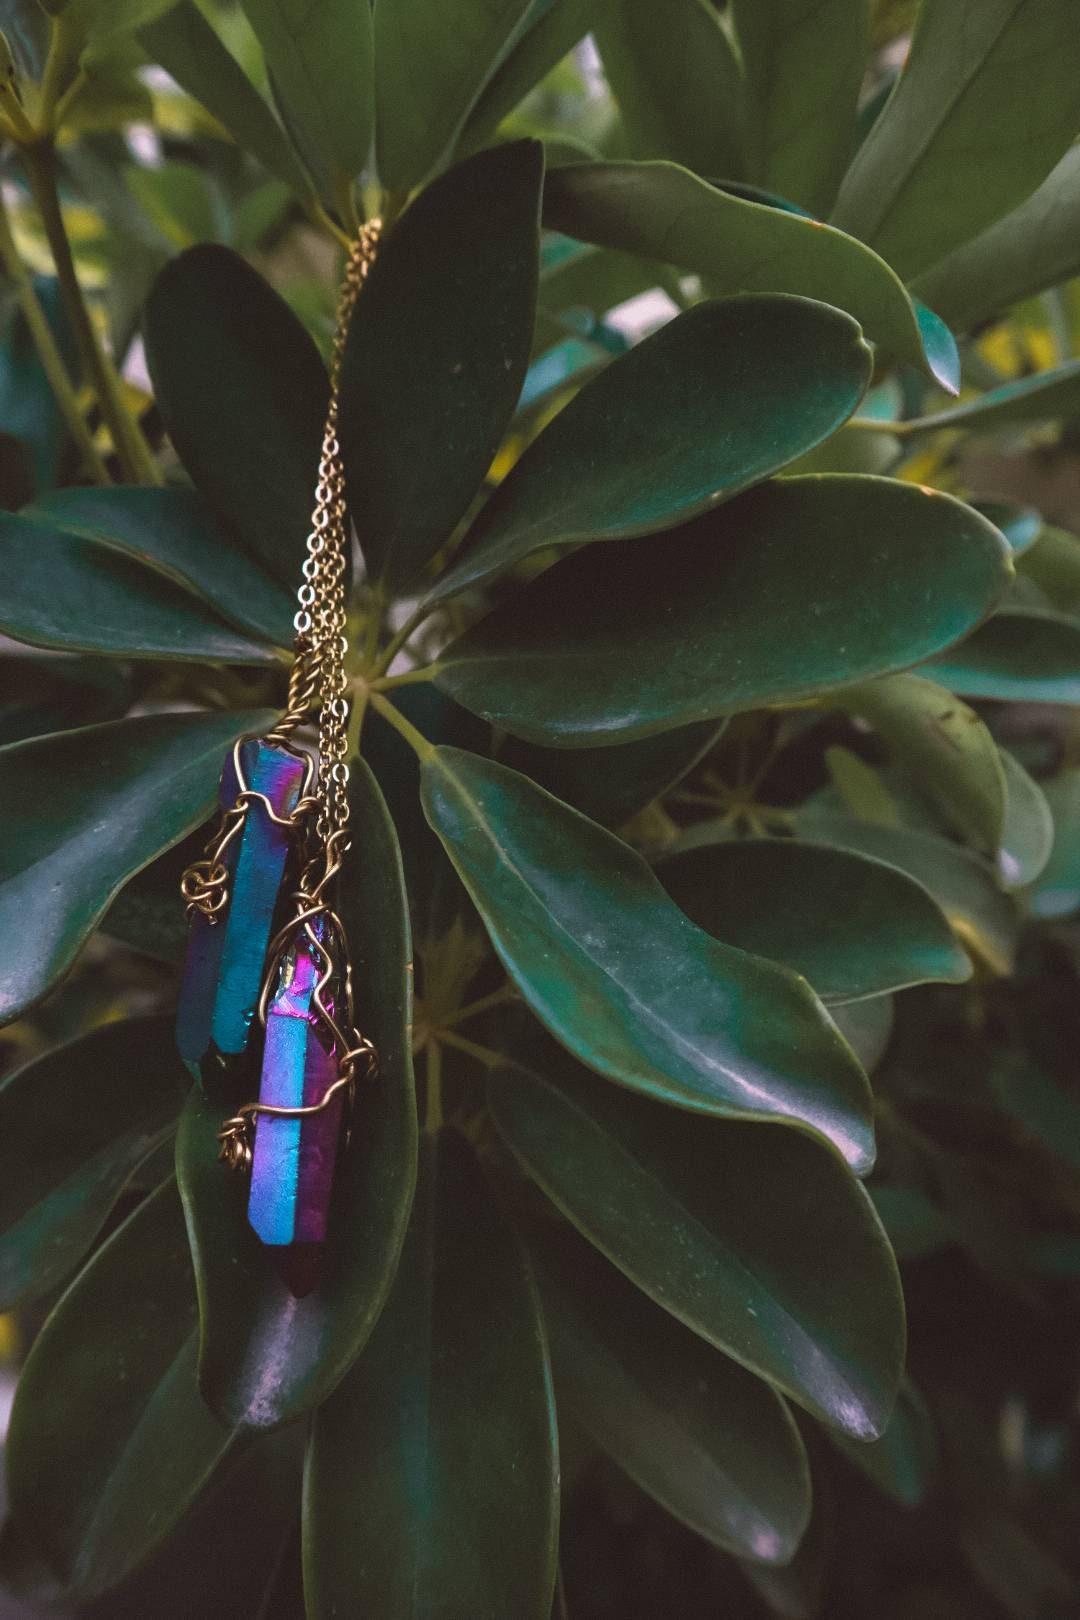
(224, 967)
(293, 1169)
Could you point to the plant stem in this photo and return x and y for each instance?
(433, 1110)
(400, 637)
(51, 359)
(473, 1009)
(483, 1054)
(131, 448)
(415, 739)
(410, 677)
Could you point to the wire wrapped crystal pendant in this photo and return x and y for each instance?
(267, 986)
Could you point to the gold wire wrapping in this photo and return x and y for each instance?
(318, 679)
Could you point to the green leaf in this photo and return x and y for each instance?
(610, 785)
(84, 810)
(1036, 246)
(1049, 1113)
(28, 407)
(1021, 525)
(75, 1123)
(852, 926)
(437, 353)
(170, 531)
(758, 1240)
(251, 441)
(623, 979)
(321, 60)
(189, 48)
(550, 32)
(40, 694)
(714, 401)
(1053, 562)
(1028, 835)
(73, 593)
(1021, 655)
(867, 1027)
(27, 31)
(944, 747)
(677, 83)
(985, 107)
(432, 1480)
(713, 1445)
(265, 1356)
(1046, 397)
(804, 64)
(430, 67)
(109, 1441)
(663, 212)
(915, 1226)
(984, 919)
(764, 601)
(903, 1461)
(1057, 890)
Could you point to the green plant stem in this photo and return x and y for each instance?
(51, 359)
(409, 677)
(483, 1054)
(400, 637)
(415, 739)
(131, 448)
(473, 1009)
(433, 1108)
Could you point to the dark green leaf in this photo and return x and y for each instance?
(867, 1027)
(1028, 836)
(1043, 398)
(437, 353)
(74, 1124)
(1057, 891)
(1023, 655)
(265, 1356)
(984, 919)
(943, 745)
(77, 594)
(852, 926)
(28, 408)
(321, 59)
(551, 30)
(170, 531)
(251, 440)
(663, 212)
(804, 64)
(1049, 1113)
(915, 1226)
(610, 785)
(191, 51)
(618, 974)
(714, 1445)
(109, 1441)
(40, 694)
(986, 105)
(1053, 563)
(1036, 246)
(82, 811)
(757, 1239)
(432, 1482)
(677, 83)
(902, 1462)
(764, 601)
(1021, 525)
(431, 66)
(715, 401)
(27, 32)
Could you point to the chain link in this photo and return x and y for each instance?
(321, 643)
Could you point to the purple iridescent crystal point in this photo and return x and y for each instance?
(293, 1167)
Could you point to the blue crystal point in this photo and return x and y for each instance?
(224, 967)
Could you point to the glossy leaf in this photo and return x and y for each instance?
(265, 1356)
(210, 315)
(902, 1462)
(1021, 525)
(985, 920)
(756, 1239)
(804, 64)
(46, 693)
(714, 1445)
(852, 926)
(1028, 835)
(664, 212)
(715, 401)
(431, 66)
(321, 60)
(763, 601)
(623, 979)
(109, 1441)
(82, 811)
(28, 408)
(75, 594)
(75, 1123)
(677, 83)
(609, 785)
(453, 1509)
(191, 51)
(944, 747)
(1057, 890)
(170, 531)
(551, 29)
(1045, 397)
(987, 104)
(1036, 246)
(1022, 655)
(437, 353)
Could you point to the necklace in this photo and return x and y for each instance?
(268, 956)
